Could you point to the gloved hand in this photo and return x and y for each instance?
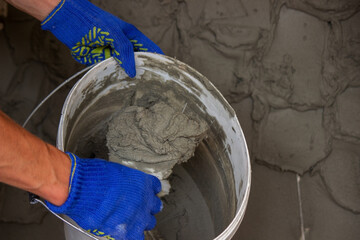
(110, 200)
(94, 35)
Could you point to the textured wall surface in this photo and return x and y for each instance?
(290, 69)
(3, 8)
(3, 12)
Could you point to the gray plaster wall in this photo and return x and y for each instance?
(290, 69)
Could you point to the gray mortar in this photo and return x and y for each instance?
(154, 133)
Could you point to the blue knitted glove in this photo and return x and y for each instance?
(94, 35)
(110, 200)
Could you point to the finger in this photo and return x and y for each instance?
(82, 54)
(123, 53)
(156, 184)
(156, 205)
(151, 224)
(136, 234)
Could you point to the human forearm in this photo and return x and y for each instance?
(39, 9)
(29, 163)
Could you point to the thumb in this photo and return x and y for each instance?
(123, 53)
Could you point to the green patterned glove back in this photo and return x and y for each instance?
(94, 35)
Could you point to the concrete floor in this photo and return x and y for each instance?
(290, 69)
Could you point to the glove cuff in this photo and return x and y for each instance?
(83, 178)
(52, 13)
(67, 20)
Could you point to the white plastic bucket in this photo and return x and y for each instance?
(222, 167)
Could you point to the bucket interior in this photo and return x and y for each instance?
(205, 196)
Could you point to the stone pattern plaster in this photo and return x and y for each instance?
(290, 69)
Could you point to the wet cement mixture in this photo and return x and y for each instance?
(291, 71)
(154, 134)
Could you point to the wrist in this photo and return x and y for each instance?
(84, 175)
(56, 188)
(39, 9)
(29, 163)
